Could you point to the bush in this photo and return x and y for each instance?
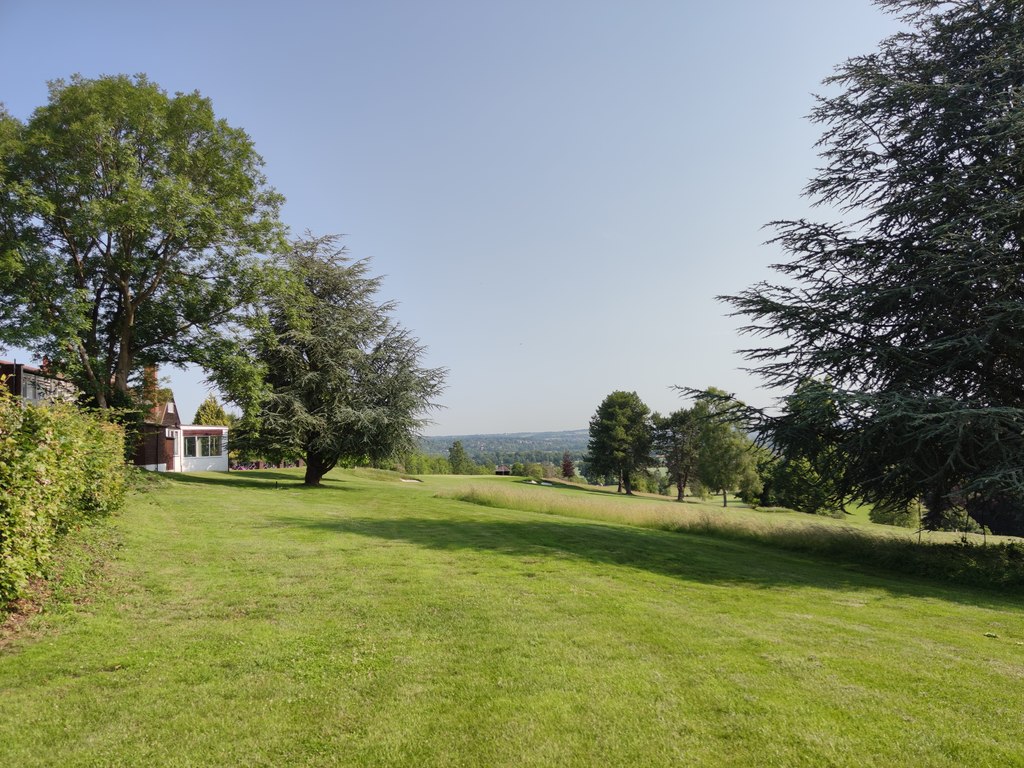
(59, 467)
(895, 514)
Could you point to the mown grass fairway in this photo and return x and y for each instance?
(371, 623)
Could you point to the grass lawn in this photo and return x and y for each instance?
(245, 620)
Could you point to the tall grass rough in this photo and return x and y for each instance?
(994, 566)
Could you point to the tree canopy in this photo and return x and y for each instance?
(620, 438)
(459, 462)
(911, 304)
(127, 221)
(325, 373)
(211, 412)
(677, 438)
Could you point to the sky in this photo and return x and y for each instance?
(555, 190)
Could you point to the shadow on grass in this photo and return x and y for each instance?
(689, 557)
(606, 492)
(280, 479)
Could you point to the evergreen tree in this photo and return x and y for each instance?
(325, 374)
(620, 438)
(568, 470)
(911, 304)
(677, 438)
(459, 461)
(211, 412)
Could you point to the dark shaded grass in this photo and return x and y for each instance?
(994, 566)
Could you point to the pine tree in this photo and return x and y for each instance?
(911, 305)
(568, 470)
(620, 438)
(211, 412)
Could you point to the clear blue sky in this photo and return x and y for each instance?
(556, 190)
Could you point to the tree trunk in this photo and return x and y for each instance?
(680, 486)
(316, 468)
(124, 352)
(725, 498)
(97, 387)
(627, 483)
(619, 489)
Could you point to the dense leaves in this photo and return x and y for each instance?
(676, 438)
(911, 307)
(324, 373)
(620, 438)
(127, 221)
(59, 466)
(211, 412)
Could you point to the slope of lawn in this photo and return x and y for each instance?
(245, 620)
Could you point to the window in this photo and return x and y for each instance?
(203, 445)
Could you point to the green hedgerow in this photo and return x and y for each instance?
(59, 467)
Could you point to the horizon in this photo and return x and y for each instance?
(556, 194)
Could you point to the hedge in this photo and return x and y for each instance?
(59, 467)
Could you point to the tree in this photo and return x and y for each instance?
(677, 438)
(127, 223)
(911, 305)
(325, 373)
(568, 470)
(459, 461)
(724, 452)
(211, 412)
(807, 475)
(620, 438)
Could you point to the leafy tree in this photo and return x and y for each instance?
(459, 461)
(677, 438)
(796, 484)
(325, 373)
(127, 221)
(568, 470)
(724, 451)
(620, 438)
(911, 304)
(807, 477)
(211, 412)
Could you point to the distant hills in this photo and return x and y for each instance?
(509, 448)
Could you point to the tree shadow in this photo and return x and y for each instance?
(684, 556)
(734, 503)
(264, 479)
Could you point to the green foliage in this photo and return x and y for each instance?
(459, 461)
(677, 439)
(59, 467)
(211, 412)
(910, 306)
(724, 452)
(325, 374)
(132, 218)
(903, 515)
(620, 438)
(425, 464)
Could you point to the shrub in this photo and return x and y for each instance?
(59, 467)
